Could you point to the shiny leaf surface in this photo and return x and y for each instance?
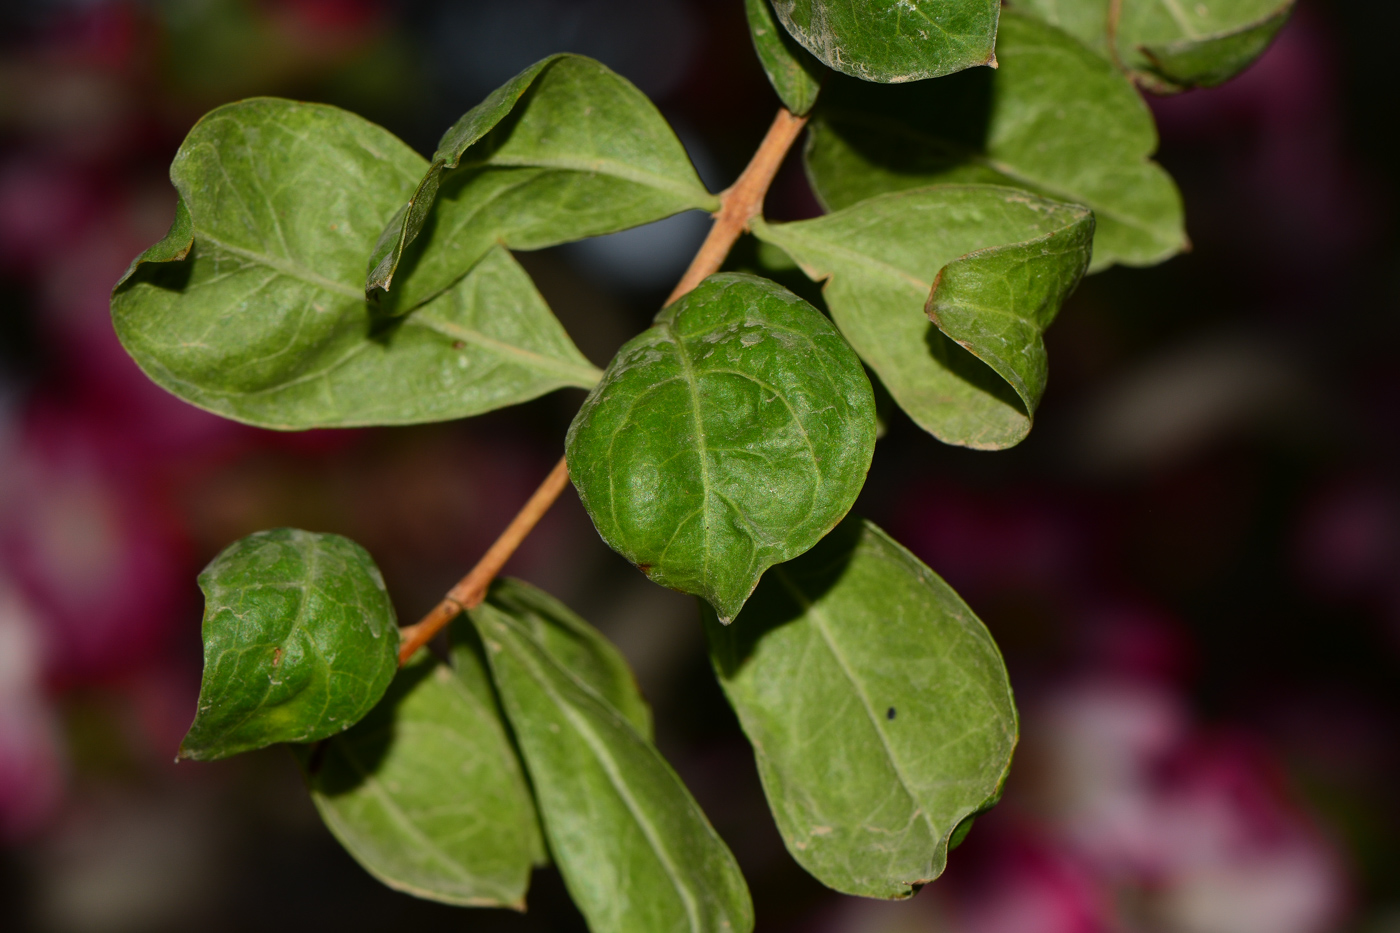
(251, 307)
(565, 150)
(988, 265)
(894, 41)
(878, 707)
(1055, 119)
(636, 852)
(299, 642)
(729, 437)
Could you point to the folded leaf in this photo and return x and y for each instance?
(1055, 119)
(299, 642)
(878, 706)
(251, 306)
(635, 850)
(893, 41)
(989, 265)
(567, 149)
(791, 69)
(1167, 45)
(731, 436)
(426, 792)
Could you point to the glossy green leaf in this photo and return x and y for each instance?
(299, 642)
(426, 792)
(894, 41)
(878, 706)
(251, 306)
(731, 436)
(565, 150)
(1171, 45)
(791, 69)
(635, 850)
(576, 646)
(989, 265)
(1054, 119)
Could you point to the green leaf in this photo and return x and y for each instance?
(791, 69)
(894, 41)
(729, 437)
(989, 265)
(634, 848)
(878, 706)
(567, 149)
(576, 646)
(426, 792)
(299, 642)
(263, 320)
(1171, 45)
(1054, 119)
(173, 247)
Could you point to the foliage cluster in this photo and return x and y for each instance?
(319, 273)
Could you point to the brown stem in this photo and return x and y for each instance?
(471, 589)
(1115, 16)
(739, 205)
(742, 201)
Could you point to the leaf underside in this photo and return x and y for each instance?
(1004, 261)
(878, 707)
(299, 642)
(729, 437)
(426, 792)
(1054, 118)
(635, 850)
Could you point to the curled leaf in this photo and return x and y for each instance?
(299, 642)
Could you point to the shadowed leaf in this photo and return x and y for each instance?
(1055, 119)
(426, 791)
(795, 75)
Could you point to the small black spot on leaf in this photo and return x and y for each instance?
(890, 713)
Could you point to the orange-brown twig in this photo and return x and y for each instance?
(471, 589)
(740, 203)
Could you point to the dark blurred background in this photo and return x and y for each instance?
(1192, 565)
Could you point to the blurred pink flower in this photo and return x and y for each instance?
(31, 766)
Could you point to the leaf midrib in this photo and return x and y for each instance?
(601, 166)
(614, 775)
(285, 266)
(403, 820)
(688, 372)
(584, 376)
(820, 623)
